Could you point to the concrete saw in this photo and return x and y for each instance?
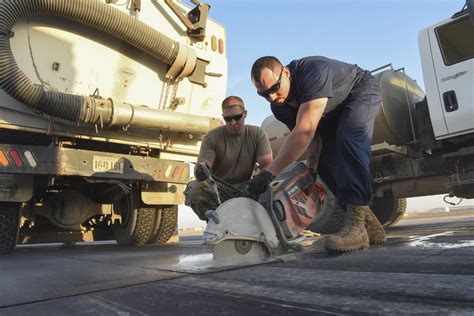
(248, 228)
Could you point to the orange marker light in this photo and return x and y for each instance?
(221, 46)
(3, 159)
(184, 173)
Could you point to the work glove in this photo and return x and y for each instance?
(200, 174)
(259, 183)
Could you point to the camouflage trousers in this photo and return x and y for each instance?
(201, 197)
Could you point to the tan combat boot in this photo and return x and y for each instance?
(374, 229)
(352, 235)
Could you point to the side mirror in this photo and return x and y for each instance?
(470, 9)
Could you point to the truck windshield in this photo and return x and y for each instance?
(456, 40)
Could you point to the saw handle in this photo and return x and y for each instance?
(211, 181)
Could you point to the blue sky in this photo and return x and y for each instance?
(370, 33)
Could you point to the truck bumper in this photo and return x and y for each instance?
(60, 161)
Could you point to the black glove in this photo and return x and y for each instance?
(200, 174)
(259, 183)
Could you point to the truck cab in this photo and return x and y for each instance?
(447, 56)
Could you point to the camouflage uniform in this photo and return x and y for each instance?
(200, 196)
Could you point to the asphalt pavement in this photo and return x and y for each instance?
(426, 267)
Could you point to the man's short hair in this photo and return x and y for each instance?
(232, 101)
(269, 62)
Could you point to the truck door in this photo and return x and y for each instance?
(453, 59)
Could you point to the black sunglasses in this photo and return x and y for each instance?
(273, 88)
(234, 117)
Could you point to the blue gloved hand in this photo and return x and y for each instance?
(259, 183)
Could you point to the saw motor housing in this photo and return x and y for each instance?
(297, 199)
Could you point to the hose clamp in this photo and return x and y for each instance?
(184, 63)
(7, 34)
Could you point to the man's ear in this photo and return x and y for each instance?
(245, 114)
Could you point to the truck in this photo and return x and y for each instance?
(103, 104)
(423, 143)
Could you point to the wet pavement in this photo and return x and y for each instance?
(426, 267)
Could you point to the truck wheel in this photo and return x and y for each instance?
(166, 220)
(398, 215)
(137, 223)
(389, 210)
(9, 226)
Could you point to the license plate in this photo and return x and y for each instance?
(107, 164)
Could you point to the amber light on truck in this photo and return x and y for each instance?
(3, 159)
(213, 43)
(16, 158)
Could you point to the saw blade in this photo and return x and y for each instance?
(239, 250)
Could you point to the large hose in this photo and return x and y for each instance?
(88, 12)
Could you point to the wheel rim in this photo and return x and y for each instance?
(125, 210)
(124, 230)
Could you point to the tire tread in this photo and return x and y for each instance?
(166, 221)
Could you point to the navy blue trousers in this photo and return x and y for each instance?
(346, 133)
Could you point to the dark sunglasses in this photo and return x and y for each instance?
(273, 88)
(234, 117)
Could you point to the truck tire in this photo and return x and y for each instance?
(9, 226)
(398, 215)
(166, 220)
(389, 210)
(136, 226)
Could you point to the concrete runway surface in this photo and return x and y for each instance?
(427, 266)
